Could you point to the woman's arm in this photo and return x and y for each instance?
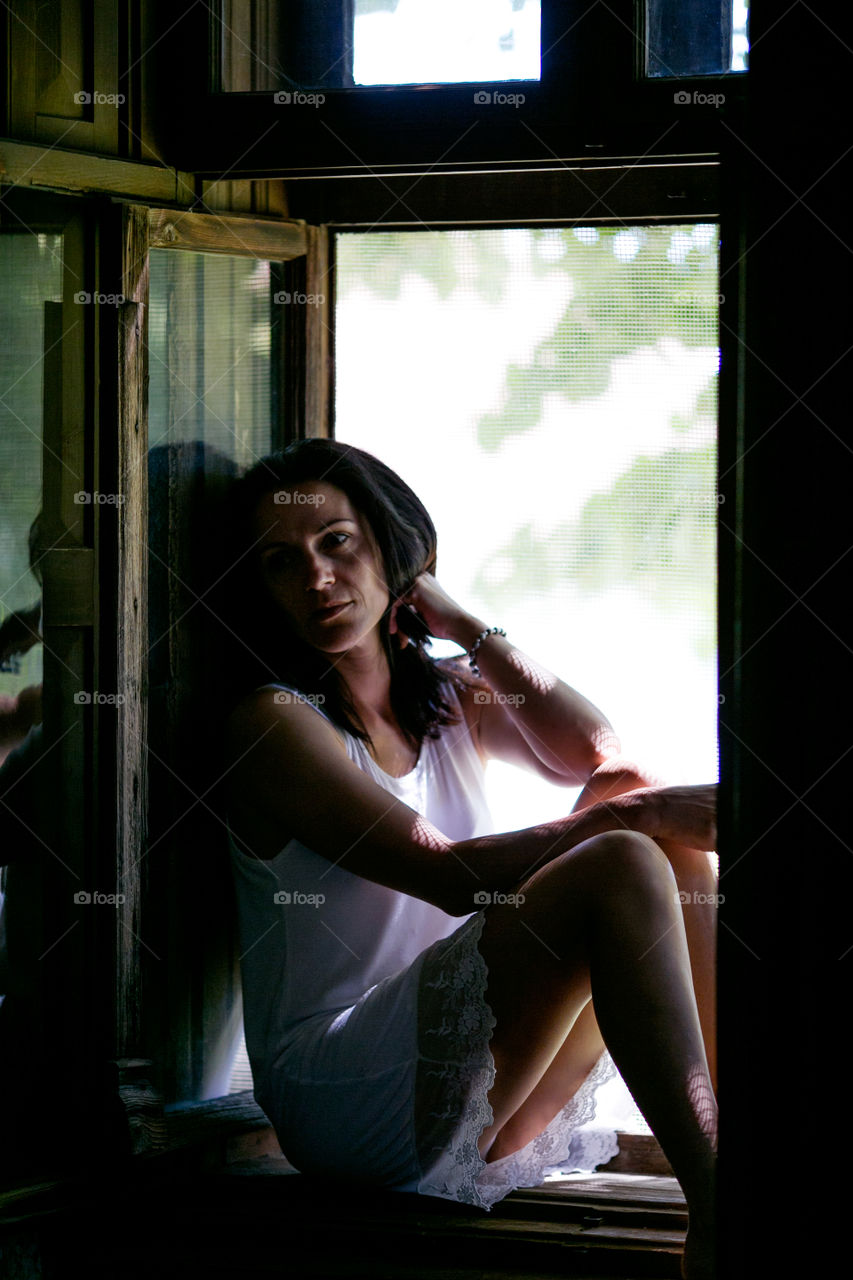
(523, 714)
(291, 777)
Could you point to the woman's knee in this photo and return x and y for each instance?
(605, 864)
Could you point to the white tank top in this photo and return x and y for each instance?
(314, 936)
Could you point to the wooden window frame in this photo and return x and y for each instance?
(573, 112)
(143, 228)
(204, 1125)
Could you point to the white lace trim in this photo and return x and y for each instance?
(459, 1054)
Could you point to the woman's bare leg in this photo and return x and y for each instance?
(583, 1045)
(697, 886)
(604, 919)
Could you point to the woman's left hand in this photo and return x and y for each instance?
(443, 617)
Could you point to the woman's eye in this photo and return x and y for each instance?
(336, 539)
(278, 561)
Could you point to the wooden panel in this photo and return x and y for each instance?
(570, 191)
(131, 625)
(318, 320)
(212, 233)
(64, 170)
(68, 582)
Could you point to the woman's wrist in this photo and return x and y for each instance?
(465, 631)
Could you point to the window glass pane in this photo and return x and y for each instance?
(208, 351)
(320, 44)
(210, 336)
(30, 276)
(696, 37)
(551, 395)
(445, 41)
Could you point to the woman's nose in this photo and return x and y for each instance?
(318, 573)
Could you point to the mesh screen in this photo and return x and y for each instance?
(551, 396)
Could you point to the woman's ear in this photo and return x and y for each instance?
(394, 629)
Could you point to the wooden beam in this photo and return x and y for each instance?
(218, 233)
(81, 173)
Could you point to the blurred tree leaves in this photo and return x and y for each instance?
(626, 289)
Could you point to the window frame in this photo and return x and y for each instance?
(571, 112)
(300, 251)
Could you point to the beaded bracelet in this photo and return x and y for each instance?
(472, 652)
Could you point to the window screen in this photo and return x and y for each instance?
(551, 396)
(210, 336)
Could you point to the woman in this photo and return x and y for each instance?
(389, 1040)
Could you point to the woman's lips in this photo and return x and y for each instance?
(330, 611)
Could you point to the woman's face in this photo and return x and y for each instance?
(320, 564)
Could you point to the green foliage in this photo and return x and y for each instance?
(652, 532)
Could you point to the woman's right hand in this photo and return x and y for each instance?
(686, 814)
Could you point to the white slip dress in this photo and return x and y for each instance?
(366, 1020)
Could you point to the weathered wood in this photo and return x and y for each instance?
(217, 233)
(142, 1103)
(60, 169)
(131, 632)
(574, 189)
(639, 1153)
(319, 324)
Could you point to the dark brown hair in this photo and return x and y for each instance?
(264, 649)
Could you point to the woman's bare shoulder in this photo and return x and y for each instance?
(281, 708)
(466, 686)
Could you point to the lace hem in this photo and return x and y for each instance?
(457, 1062)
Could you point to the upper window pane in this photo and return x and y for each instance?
(551, 396)
(696, 37)
(334, 44)
(445, 41)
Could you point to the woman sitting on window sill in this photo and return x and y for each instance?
(391, 1041)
